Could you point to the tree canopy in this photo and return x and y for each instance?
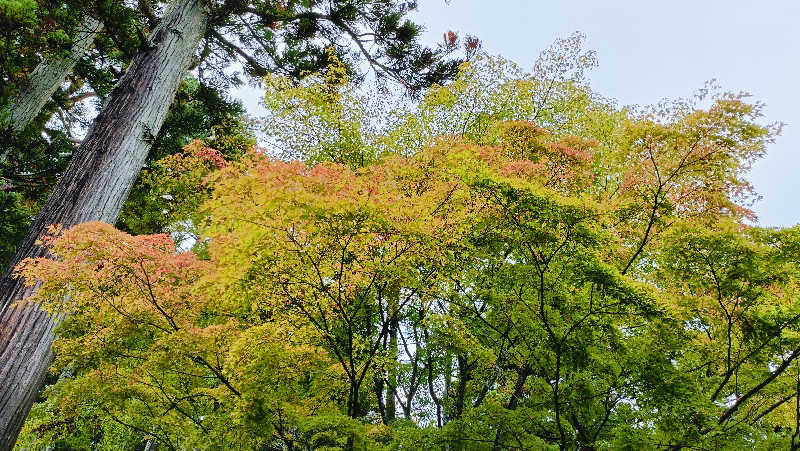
(138, 58)
(290, 38)
(514, 262)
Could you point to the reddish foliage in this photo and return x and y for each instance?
(450, 39)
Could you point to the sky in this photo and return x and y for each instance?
(650, 50)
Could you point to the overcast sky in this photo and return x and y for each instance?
(650, 49)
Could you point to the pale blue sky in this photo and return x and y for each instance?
(650, 50)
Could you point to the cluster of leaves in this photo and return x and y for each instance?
(515, 264)
(329, 118)
(295, 38)
(29, 27)
(326, 117)
(169, 189)
(168, 195)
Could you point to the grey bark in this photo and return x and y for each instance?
(48, 76)
(93, 188)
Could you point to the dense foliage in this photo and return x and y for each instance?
(514, 263)
(291, 38)
(170, 41)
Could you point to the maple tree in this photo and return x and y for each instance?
(480, 272)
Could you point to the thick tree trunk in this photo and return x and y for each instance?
(48, 76)
(93, 188)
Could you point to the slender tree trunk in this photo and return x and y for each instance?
(93, 188)
(48, 76)
(391, 401)
(464, 376)
(394, 325)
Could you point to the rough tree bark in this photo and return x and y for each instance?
(93, 188)
(48, 76)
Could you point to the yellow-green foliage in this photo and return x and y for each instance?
(517, 263)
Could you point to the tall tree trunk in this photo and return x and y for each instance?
(93, 188)
(48, 76)
(394, 325)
